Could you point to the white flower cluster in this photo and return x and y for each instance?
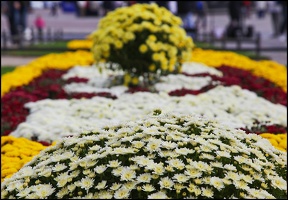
(162, 156)
(99, 82)
(53, 119)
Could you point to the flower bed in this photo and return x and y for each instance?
(50, 83)
(167, 156)
(116, 138)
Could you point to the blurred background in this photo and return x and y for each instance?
(257, 29)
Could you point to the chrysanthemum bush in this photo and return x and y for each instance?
(144, 40)
(161, 156)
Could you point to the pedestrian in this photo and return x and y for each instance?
(17, 19)
(246, 9)
(261, 8)
(274, 8)
(283, 23)
(108, 6)
(54, 9)
(201, 15)
(40, 24)
(235, 25)
(162, 4)
(82, 7)
(172, 5)
(185, 12)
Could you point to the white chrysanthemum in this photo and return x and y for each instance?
(216, 164)
(114, 163)
(256, 166)
(24, 193)
(217, 183)
(193, 173)
(166, 183)
(105, 195)
(138, 144)
(240, 184)
(158, 195)
(122, 193)
(46, 172)
(223, 154)
(247, 179)
(130, 185)
(177, 163)
(169, 144)
(207, 192)
(15, 184)
(148, 188)
(157, 169)
(153, 145)
(205, 148)
(26, 171)
(86, 183)
(144, 178)
(240, 159)
(59, 167)
(181, 178)
(279, 182)
(62, 182)
(57, 158)
(62, 192)
(207, 156)
(115, 186)
(127, 174)
(184, 151)
(95, 147)
(101, 185)
(44, 191)
(143, 161)
(256, 193)
(71, 187)
(232, 175)
(100, 169)
(201, 165)
(230, 167)
(117, 171)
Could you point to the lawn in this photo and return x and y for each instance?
(38, 49)
(61, 46)
(6, 69)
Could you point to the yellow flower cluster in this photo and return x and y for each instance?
(15, 152)
(279, 141)
(22, 75)
(142, 38)
(80, 44)
(269, 70)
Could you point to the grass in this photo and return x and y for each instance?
(6, 69)
(249, 54)
(56, 44)
(61, 46)
(39, 49)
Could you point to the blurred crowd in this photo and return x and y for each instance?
(193, 13)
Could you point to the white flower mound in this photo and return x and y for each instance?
(53, 119)
(98, 82)
(165, 156)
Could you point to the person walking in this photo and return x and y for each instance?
(261, 8)
(234, 28)
(283, 24)
(108, 6)
(274, 8)
(39, 23)
(201, 15)
(185, 11)
(17, 19)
